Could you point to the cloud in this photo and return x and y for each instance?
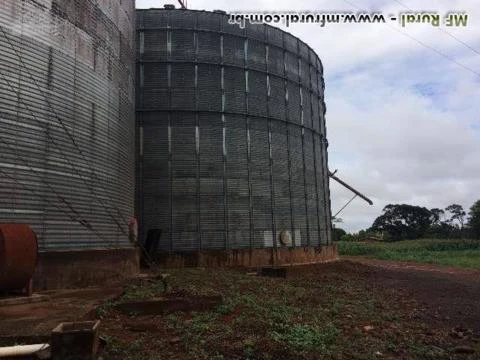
(403, 112)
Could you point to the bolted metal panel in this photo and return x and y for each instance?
(242, 116)
(67, 120)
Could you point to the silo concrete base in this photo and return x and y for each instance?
(249, 257)
(82, 268)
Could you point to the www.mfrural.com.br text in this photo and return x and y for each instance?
(451, 19)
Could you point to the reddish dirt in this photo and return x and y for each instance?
(448, 296)
(64, 306)
(445, 299)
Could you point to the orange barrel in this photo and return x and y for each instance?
(18, 255)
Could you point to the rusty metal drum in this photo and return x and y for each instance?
(18, 255)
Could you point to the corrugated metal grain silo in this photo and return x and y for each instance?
(232, 150)
(67, 131)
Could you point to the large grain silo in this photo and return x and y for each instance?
(232, 149)
(67, 133)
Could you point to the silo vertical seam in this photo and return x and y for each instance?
(324, 193)
(139, 187)
(247, 124)
(19, 100)
(316, 190)
(323, 231)
(308, 90)
(312, 94)
(42, 238)
(44, 199)
(328, 216)
(170, 176)
(224, 143)
(302, 119)
(289, 160)
(197, 132)
(272, 188)
(141, 195)
(170, 147)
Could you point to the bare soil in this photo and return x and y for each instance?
(447, 296)
(355, 308)
(38, 319)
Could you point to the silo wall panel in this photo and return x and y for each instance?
(67, 121)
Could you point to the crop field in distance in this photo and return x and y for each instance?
(455, 253)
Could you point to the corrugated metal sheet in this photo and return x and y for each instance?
(67, 120)
(234, 149)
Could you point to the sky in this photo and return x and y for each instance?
(403, 103)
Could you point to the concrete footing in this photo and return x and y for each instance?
(82, 268)
(249, 257)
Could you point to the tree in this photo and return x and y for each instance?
(457, 213)
(404, 221)
(437, 215)
(474, 221)
(337, 234)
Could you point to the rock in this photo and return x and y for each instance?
(175, 340)
(368, 328)
(456, 334)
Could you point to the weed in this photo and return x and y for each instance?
(307, 337)
(114, 344)
(249, 347)
(226, 308)
(104, 309)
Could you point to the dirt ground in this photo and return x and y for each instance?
(38, 319)
(448, 296)
(355, 308)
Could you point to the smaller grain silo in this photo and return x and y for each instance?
(232, 149)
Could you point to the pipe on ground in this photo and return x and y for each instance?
(22, 350)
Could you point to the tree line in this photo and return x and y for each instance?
(403, 221)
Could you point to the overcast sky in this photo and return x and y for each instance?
(403, 104)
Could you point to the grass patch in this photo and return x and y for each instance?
(455, 253)
(307, 337)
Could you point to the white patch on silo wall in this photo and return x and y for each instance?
(268, 238)
(297, 238)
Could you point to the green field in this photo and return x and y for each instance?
(456, 253)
